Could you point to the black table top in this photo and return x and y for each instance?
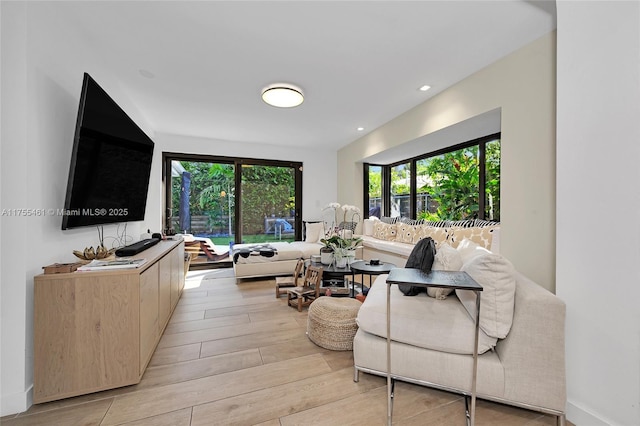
(459, 280)
(363, 266)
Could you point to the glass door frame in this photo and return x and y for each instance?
(238, 162)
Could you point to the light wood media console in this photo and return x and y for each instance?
(97, 330)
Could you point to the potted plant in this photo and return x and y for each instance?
(342, 249)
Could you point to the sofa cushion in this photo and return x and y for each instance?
(497, 277)
(442, 325)
(447, 259)
(384, 231)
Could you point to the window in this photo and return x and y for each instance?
(443, 185)
(233, 199)
(400, 190)
(373, 177)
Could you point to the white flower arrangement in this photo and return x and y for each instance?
(352, 213)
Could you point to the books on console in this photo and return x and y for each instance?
(104, 265)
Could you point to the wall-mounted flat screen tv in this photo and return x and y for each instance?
(110, 163)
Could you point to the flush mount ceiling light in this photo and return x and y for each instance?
(282, 96)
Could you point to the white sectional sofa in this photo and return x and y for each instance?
(282, 262)
(522, 340)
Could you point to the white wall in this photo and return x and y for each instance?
(598, 233)
(522, 87)
(43, 60)
(318, 177)
(13, 244)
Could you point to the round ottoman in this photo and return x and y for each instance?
(331, 322)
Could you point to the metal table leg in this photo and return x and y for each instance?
(389, 384)
(471, 414)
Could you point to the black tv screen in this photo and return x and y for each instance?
(110, 163)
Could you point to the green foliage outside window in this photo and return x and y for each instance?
(266, 191)
(452, 181)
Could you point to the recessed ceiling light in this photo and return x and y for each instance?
(360, 129)
(282, 96)
(424, 88)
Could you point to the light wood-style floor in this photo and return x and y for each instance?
(234, 354)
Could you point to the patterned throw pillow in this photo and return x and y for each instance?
(467, 223)
(481, 236)
(384, 231)
(482, 222)
(389, 220)
(406, 232)
(439, 235)
(409, 221)
(438, 224)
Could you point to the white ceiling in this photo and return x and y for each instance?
(197, 68)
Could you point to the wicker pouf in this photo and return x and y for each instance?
(331, 322)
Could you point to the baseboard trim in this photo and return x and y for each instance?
(579, 416)
(16, 403)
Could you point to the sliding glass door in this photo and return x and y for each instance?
(268, 203)
(202, 199)
(235, 200)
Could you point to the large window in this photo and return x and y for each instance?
(233, 199)
(461, 182)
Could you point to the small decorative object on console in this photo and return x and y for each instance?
(90, 254)
(101, 252)
(61, 268)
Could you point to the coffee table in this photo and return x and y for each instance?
(457, 280)
(364, 267)
(333, 278)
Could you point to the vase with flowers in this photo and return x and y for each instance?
(340, 220)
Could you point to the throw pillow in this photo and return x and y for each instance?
(447, 259)
(438, 234)
(405, 232)
(389, 220)
(482, 222)
(468, 250)
(367, 226)
(314, 232)
(384, 231)
(479, 235)
(496, 275)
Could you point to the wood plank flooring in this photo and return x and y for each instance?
(233, 354)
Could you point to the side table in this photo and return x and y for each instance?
(363, 267)
(456, 280)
